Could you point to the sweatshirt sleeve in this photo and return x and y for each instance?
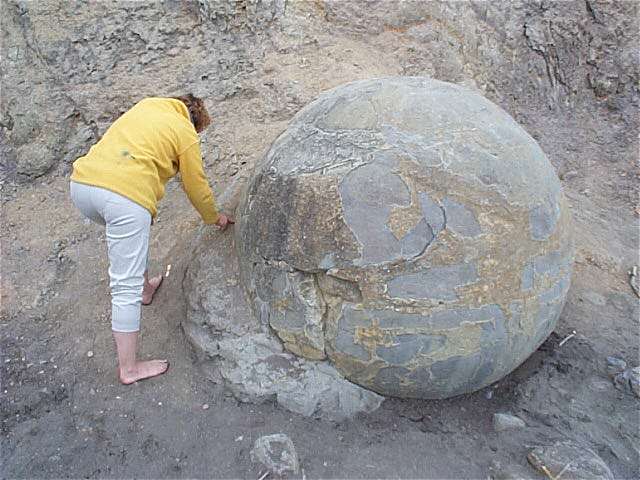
(196, 185)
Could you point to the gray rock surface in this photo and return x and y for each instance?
(245, 355)
(256, 369)
(410, 231)
(505, 421)
(573, 460)
(277, 453)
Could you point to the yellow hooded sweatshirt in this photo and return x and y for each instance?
(142, 150)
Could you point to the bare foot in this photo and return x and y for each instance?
(142, 370)
(150, 288)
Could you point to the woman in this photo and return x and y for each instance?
(119, 183)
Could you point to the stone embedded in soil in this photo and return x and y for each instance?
(277, 453)
(504, 421)
(628, 381)
(615, 365)
(410, 232)
(575, 461)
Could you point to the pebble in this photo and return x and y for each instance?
(277, 453)
(205, 406)
(505, 421)
(615, 365)
(628, 381)
(90, 354)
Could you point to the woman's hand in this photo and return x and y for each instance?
(224, 221)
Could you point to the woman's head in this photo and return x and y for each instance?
(197, 111)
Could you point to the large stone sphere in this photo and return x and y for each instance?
(410, 231)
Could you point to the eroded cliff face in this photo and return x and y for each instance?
(69, 69)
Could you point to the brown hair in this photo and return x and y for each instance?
(197, 111)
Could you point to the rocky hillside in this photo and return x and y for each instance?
(68, 69)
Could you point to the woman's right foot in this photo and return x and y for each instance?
(142, 370)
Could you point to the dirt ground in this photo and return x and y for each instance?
(64, 415)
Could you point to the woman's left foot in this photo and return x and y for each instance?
(150, 288)
(143, 370)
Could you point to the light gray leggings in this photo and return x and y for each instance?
(128, 226)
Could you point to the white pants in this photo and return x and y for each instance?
(128, 226)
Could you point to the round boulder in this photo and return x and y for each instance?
(409, 231)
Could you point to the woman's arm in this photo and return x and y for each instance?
(196, 185)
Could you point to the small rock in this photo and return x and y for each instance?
(90, 354)
(628, 381)
(488, 394)
(621, 380)
(570, 458)
(277, 453)
(205, 406)
(615, 365)
(504, 421)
